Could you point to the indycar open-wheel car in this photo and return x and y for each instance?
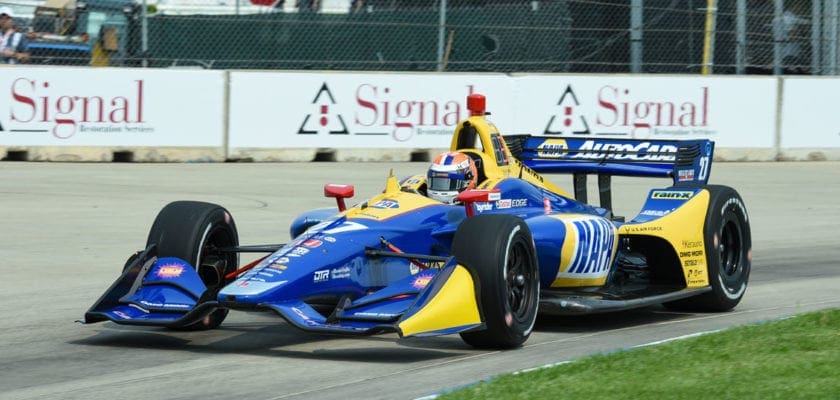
(514, 246)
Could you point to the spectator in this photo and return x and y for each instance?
(14, 47)
(794, 33)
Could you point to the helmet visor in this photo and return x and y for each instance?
(443, 181)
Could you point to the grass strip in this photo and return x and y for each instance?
(795, 358)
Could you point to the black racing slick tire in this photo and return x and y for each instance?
(500, 250)
(192, 231)
(728, 252)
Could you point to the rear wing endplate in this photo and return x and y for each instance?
(687, 162)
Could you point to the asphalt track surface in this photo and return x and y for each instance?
(68, 228)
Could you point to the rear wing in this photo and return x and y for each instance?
(687, 162)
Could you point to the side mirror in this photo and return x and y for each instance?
(470, 196)
(340, 192)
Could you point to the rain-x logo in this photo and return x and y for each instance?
(381, 111)
(618, 111)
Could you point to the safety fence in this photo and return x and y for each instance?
(638, 36)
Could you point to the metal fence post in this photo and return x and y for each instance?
(441, 34)
(831, 41)
(144, 35)
(816, 35)
(709, 38)
(740, 37)
(636, 45)
(778, 26)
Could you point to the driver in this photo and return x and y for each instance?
(451, 173)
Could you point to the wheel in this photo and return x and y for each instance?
(192, 231)
(500, 250)
(728, 252)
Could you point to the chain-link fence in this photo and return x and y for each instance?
(640, 36)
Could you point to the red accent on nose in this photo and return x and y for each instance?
(568, 110)
(324, 109)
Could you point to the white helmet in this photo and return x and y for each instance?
(451, 173)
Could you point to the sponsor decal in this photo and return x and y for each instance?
(692, 253)
(546, 205)
(685, 175)
(640, 151)
(493, 196)
(482, 207)
(387, 204)
(321, 276)
(169, 271)
(164, 305)
(243, 283)
(511, 203)
(553, 148)
(42, 107)
(328, 239)
(421, 281)
(689, 244)
(636, 229)
(619, 111)
(278, 266)
(340, 273)
(298, 251)
(374, 315)
(382, 111)
(312, 243)
(671, 195)
(304, 317)
(737, 203)
(121, 314)
(655, 213)
(594, 247)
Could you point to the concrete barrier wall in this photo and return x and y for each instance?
(157, 115)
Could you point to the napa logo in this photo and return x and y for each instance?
(387, 204)
(553, 148)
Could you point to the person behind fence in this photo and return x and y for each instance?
(14, 47)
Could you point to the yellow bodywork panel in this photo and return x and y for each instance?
(683, 228)
(454, 305)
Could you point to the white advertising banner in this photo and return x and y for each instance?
(111, 107)
(734, 112)
(356, 110)
(810, 116)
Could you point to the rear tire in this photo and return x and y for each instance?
(192, 231)
(500, 250)
(728, 252)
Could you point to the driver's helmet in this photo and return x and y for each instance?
(450, 173)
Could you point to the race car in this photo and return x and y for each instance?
(482, 265)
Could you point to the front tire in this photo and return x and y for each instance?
(500, 250)
(192, 231)
(728, 252)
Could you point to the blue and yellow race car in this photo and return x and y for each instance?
(481, 262)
